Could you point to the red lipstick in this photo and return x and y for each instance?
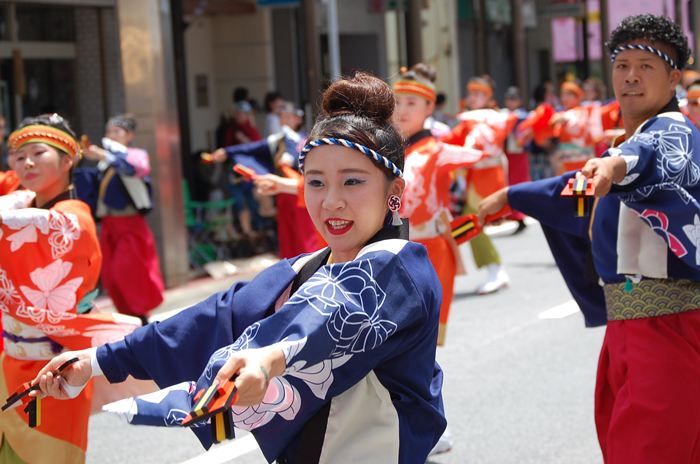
(339, 227)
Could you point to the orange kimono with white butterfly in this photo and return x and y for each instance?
(486, 130)
(50, 260)
(425, 202)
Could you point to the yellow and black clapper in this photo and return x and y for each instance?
(32, 405)
(465, 228)
(581, 190)
(214, 402)
(33, 410)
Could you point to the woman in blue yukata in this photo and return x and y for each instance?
(334, 351)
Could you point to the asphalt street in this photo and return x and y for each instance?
(519, 377)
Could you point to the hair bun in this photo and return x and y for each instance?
(363, 95)
(424, 71)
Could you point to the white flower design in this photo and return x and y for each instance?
(67, 230)
(280, 398)
(25, 235)
(107, 333)
(318, 377)
(26, 222)
(57, 330)
(58, 299)
(9, 296)
(676, 161)
(349, 294)
(693, 233)
(221, 355)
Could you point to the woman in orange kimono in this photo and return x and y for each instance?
(578, 128)
(428, 174)
(49, 265)
(484, 128)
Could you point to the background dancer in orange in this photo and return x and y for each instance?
(484, 128)
(692, 104)
(49, 266)
(428, 174)
(574, 130)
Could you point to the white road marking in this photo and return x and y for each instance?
(227, 451)
(507, 228)
(561, 311)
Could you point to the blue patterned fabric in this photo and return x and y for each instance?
(663, 183)
(377, 313)
(661, 187)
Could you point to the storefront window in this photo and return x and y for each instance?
(45, 23)
(4, 23)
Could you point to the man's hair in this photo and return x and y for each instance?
(654, 28)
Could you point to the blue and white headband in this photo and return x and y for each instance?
(646, 48)
(346, 143)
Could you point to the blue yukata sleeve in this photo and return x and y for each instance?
(662, 182)
(87, 186)
(542, 200)
(178, 349)
(117, 158)
(567, 236)
(256, 156)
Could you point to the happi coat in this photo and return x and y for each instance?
(49, 266)
(640, 251)
(428, 171)
(486, 130)
(359, 340)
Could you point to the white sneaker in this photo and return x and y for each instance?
(496, 280)
(444, 444)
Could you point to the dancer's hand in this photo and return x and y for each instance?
(255, 369)
(77, 375)
(220, 155)
(604, 172)
(95, 153)
(492, 204)
(270, 184)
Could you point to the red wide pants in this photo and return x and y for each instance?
(648, 390)
(130, 266)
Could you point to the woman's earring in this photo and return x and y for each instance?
(395, 206)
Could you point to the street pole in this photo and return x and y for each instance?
(313, 54)
(520, 50)
(333, 40)
(585, 70)
(605, 59)
(414, 32)
(479, 21)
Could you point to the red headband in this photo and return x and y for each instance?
(44, 134)
(479, 87)
(573, 88)
(413, 87)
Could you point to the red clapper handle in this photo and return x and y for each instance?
(466, 227)
(580, 189)
(27, 387)
(247, 173)
(211, 401)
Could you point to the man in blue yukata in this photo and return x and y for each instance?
(635, 261)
